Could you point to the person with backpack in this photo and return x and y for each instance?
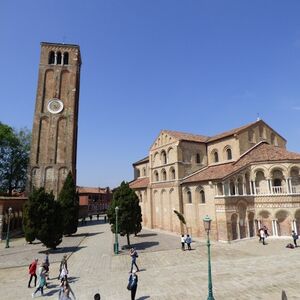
(134, 256)
(295, 238)
(132, 284)
(32, 272)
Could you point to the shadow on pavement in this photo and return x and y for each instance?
(73, 279)
(86, 234)
(91, 223)
(284, 296)
(144, 245)
(144, 297)
(63, 250)
(146, 234)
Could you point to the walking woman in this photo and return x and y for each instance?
(65, 290)
(42, 280)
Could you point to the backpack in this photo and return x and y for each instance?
(289, 245)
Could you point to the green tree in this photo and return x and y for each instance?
(14, 156)
(69, 202)
(129, 214)
(43, 219)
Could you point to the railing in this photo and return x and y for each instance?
(278, 190)
(296, 189)
(261, 191)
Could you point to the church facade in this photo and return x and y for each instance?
(243, 179)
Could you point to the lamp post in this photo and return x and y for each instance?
(207, 222)
(116, 245)
(7, 234)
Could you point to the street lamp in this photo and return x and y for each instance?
(7, 234)
(116, 245)
(207, 223)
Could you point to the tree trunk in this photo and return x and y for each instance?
(128, 241)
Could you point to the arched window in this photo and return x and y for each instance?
(163, 157)
(164, 175)
(58, 58)
(66, 58)
(138, 173)
(202, 196)
(189, 196)
(144, 172)
(156, 177)
(173, 175)
(198, 161)
(51, 58)
(216, 157)
(229, 154)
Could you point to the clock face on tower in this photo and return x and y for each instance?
(55, 106)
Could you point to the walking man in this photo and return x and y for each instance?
(134, 256)
(32, 272)
(188, 241)
(295, 238)
(132, 284)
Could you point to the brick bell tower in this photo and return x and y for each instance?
(54, 133)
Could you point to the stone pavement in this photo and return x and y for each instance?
(246, 270)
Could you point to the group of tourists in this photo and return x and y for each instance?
(42, 274)
(263, 234)
(186, 240)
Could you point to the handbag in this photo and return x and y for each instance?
(129, 286)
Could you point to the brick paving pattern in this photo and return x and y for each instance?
(246, 270)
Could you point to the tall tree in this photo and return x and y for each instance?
(129, 213)
(69, 202)
(14, 156)
(43, 219)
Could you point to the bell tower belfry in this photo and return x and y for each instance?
(54, 132)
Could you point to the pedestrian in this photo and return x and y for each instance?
(295, 238)
(182, 242)
(42, 280)
(188, 241)
(132, 284)
(32, 272)
(266, 231)
(97, 216)
(262, 236)
(134, 255)
(47, 264)
(97, 296)
(63, 268)
(65, 290)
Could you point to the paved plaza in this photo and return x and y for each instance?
(244, 270)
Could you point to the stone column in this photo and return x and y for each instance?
(238, 228)
(55, 58)
(236, 188)
(62, 59)
(223, 189)
(270, 186)
(1, 226)
(247, 225)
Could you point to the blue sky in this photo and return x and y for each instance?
(197, 66)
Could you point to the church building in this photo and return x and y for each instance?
(243, 179)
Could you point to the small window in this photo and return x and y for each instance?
(216, 157)
(144, 171)
(198, 161)
(66, 58)
(173, 174)
(156, 178)
(164, 175)
(229, 154)
(189, 196)
(202, 196)
(164, 157)
(58, 58)
(51, 58)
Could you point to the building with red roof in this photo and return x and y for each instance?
(244, 179)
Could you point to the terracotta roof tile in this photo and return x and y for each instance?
(91, 190)
(231, 132)
(187, 136)
(261, 152)
(141, 161)
(139, 183)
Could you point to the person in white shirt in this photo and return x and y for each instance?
(182, 242)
